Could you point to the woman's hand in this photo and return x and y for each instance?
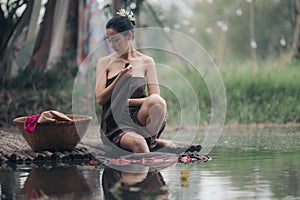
(124, 71)
(103, 93)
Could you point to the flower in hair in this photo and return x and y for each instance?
(127, 14)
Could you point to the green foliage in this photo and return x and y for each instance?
(23, 102)
(9, 18)
(34, 91)
(55, 78)
(274, 22)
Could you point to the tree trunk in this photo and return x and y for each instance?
(116, 5)
(58, 32)
(295, 53)
(41, 50)
(252, 35)
(21, 35)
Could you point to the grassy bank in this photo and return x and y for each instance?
(250, 138)
(269, 94)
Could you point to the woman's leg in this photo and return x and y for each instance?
(152, 113)
(134, 142)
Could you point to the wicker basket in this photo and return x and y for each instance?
(59, 135)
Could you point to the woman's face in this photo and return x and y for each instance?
(118, 41)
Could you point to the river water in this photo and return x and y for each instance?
(233, 173)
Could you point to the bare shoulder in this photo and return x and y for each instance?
(146, 59)
(106, 60)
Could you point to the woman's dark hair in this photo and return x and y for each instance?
(120, 24)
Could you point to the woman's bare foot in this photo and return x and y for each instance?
(166, 143)
(171, 146)
(177, 147)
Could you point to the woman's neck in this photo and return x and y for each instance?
(126, 56)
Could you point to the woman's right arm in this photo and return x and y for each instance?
(100, 87)
(103, 93)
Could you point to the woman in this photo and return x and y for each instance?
(146, 184)
(121, 78)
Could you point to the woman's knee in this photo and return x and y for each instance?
(156, 99)
(154, 106)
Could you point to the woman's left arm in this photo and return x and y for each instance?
(151, 78)
(152, 83)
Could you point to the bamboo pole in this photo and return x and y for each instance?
(16, 151)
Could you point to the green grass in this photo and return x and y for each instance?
(247, 138)
(269, 94)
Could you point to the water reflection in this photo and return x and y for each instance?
(146, 184)
(231, 174)
(8, 185)
(240, 175)
(56, 182)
